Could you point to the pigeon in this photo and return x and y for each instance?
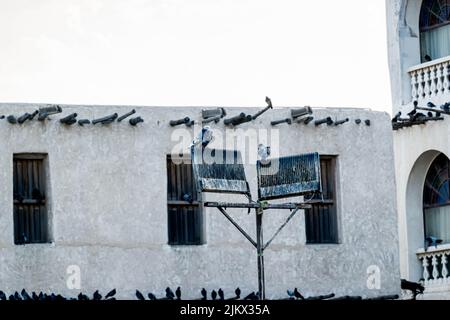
(178, 293)
(298, 295)
(251, 296)
(432, 241)
(290, 293)
(110, 294)
(204, 138)
(34, 296)
(169, 294)
(238, 293)
(17, 296)
(446, 107)
(397, 117)
(412, 113)
(2, 296)
(151, 296)
(188, 198)
(81, 297)
(97, 296)
(263, 152)
(418, 116)
(139, 295)
(415, 288)
(214, 294)
(25, 295)
(204, 293)
(221, 294)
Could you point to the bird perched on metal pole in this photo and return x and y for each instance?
(263, 152)
(204, 138)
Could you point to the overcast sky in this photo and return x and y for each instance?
(195, 52)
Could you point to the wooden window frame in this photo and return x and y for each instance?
(180, 204)
(42, 204)
(332, 205)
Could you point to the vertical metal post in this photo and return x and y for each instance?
(260, 253)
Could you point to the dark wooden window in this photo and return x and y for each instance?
(321, 220)
(185, 217)
(30, 214)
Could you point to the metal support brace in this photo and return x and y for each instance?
(259, 243)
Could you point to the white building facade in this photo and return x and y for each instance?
(106, 202)
(419, 57)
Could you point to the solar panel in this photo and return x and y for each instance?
(219, 171)
(289, 176)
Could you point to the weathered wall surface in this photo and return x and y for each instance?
(403, 48)
(108, 207)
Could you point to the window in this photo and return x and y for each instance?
(436, 200)
(435, 29)
(321, 220)
(30, 214)
(185, 217)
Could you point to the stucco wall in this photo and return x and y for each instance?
(107, 195)
(402, 17)
(414, 148)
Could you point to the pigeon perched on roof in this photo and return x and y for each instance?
(139, 295)
(204, 294)
(110, 294)
(221, 294)
(178, 293)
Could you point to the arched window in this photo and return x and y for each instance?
(435, 29)
(436, 200)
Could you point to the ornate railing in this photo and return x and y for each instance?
(435, 264)
(431, 81)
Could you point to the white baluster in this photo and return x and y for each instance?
(426, 85)
(446, 74)
(439, 79)
(426, 274)
(414, 85)
(434, 263)
(433, 79)
(421, 84)
(444, 261)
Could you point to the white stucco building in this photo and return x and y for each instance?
(106, 199)
(419, 55)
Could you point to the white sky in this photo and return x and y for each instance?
(195, 52)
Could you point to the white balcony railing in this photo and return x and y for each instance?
(435, 264)
(430, 82)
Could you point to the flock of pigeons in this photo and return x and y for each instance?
(420, 115)
(220, 295)
(415, 288)
(25, 296)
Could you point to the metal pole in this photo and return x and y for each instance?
(260, 253)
